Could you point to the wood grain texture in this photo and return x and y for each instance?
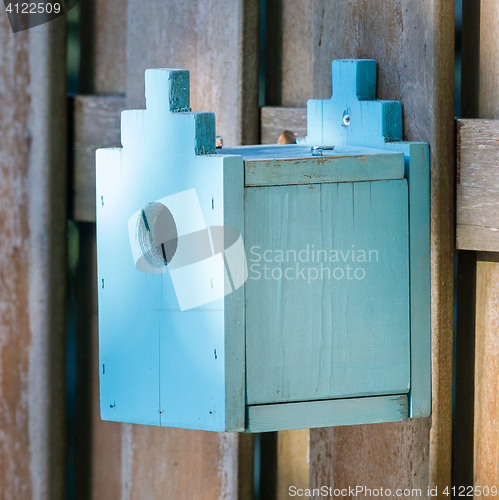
(486, 375)
(477, 211)
(489, 62)
(103, 47)
(216, 41)
(293, 458)
(486, 436)
(335, 412)
(277, 165)
(414, 47)
(288, 52)
(273, 119)
(96, 125)
(352, 340)
(32, 260)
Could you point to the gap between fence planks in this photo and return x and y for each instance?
(32, 260)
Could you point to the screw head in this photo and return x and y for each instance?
(346, 120)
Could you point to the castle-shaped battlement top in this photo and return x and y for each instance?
(352, 116)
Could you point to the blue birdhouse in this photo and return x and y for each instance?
(264, 288)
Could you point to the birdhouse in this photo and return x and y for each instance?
(263, 288)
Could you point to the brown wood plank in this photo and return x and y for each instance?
(414, 47)
(486, 375)
(96, 125)
(477, 211)
(288, 52)
(489, 62)
(217, 42)
(486, 436)
(32, 260)
(103, 46)
(293, 455)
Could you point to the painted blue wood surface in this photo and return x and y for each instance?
(160, 365)
(286, 416)
(327, 313)
(276, 165)
(369, 122)
(163, 366)
(378, 124)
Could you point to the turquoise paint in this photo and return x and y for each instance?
(327, 328)
(161, 366)
(336, 412)
(372, 123)
(378, 124)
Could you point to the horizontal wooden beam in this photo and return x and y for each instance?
(477, 211)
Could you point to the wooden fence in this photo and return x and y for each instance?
(413, 43)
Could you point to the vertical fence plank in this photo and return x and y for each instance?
(486, 375)
(414, 46)
(489, 61)
(293, 454)
(288, 47)
(32, 260)
(103, 46)
(486, 435)
(216, 41)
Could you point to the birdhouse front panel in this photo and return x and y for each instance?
(328, 291)
(264, 288)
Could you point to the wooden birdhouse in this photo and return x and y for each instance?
(263, 288)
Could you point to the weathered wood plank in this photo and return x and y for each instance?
(292, 164)
(293, 455)
(489, 62)
(477, 211)
(103, 47)
(199, 37)
(414, 48)
(339, 412)
(96, 125)
(486, 435)
(288, 52)
(217, 42)
(486, 375)
(32, 260)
